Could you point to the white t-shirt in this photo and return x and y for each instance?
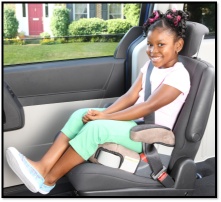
(176, 76)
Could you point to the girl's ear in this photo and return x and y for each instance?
(179, 45)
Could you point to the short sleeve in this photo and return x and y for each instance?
(179, 79)
(144, 68)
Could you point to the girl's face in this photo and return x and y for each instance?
(161, 48)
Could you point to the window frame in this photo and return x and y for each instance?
(108, 12)
(88, 11)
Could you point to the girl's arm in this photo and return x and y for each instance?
(164, 95)
(125, 101)
(128, 99)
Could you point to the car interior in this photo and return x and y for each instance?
(39, 95)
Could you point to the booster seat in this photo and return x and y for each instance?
(89, 179)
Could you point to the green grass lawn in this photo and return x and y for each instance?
(18, 54)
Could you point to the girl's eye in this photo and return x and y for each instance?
(149, 45)
(161, 44)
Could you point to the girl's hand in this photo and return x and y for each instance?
(85, 119)
(96, 115)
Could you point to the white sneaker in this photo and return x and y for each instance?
(24, 170)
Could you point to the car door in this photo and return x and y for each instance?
(39, 97)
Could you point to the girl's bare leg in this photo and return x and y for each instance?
(56, 150)
(68, 160)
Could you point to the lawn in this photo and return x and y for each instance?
(19, 54)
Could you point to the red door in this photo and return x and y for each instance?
(35, 14)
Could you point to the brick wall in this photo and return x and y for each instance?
(98, 11)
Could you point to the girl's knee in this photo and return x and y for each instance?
(79, 113)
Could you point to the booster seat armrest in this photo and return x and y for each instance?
(152, 133)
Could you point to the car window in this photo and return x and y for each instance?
(204, 13)
(48, 32)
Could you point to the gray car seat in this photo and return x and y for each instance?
(90, 179)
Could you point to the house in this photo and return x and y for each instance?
(35, 18)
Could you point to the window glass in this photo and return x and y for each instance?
(85, 36)
(114, 11)
(80, 11)
(203, 13)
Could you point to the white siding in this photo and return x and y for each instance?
(46, 24)
(23, 21)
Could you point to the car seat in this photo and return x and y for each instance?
(89, 179)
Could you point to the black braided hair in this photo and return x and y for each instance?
(169, 23)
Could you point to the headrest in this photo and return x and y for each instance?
(194, 34)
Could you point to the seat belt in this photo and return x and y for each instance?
(150, 152)
(150, 118)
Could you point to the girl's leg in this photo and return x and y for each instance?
(56, 150)
(86, 142)
(60, 145)
(68, 160)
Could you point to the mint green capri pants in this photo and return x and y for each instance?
(85, 138)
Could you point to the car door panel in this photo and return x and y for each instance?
(50, 92)
(66, 81)
(42, 123)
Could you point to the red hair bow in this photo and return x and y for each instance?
(175, 21)
(153, 19)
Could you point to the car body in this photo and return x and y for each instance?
(47, 93)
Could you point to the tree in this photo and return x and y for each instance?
(60, 21)
(10, 23)
(132, 13)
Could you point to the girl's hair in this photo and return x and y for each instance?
(173, 20)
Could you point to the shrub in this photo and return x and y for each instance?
(112, 39)
(71, 40)
(7, 42)
(103, 39)
(81, 39)
(45, 34)
(60, 21)
(84, 26)
(95, 39)
(132, 13)
(20, 34)
(48, 42)
(13, 41)
(118, 26)
(119, 37)
(10, 23)
(17, 42)
(61, 40)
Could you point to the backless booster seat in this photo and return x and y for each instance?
(162, 175)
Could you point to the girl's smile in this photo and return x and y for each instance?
(155, 59)
(162, 48)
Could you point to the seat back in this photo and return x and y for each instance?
(192, 120)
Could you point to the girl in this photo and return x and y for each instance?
(85, 129)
